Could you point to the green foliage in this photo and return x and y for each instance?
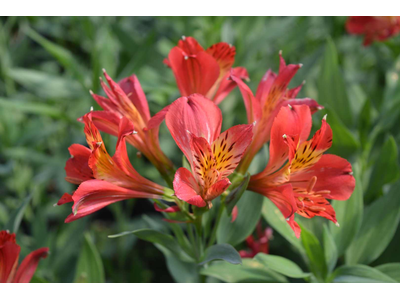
(281, 265)
(89, 268)
(222, 251)
(249, 271)
(379, 224)
(249, 212)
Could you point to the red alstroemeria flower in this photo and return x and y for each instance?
(9, 254)
(299, 177)
(127, 99)
(259, 245)
(104, 179)
(204, 71)
(195, 124)
(272, 93)
(373, 28)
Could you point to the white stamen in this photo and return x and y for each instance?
(134, 132)
(55, 204)
(183, 37)
(186, 57)
(280, 52)
(300, 65)
(188, 131)
(99, 143)
(230, 45)
(290, 106)
(284, 136)
(287, 219)
(91, 108)
(350, 173)
(91, 92)
(304, 82)
(324, 118)
(254, 123)
(104, 70)
(337, 224)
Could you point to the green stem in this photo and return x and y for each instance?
(193, 241)
(214, 230)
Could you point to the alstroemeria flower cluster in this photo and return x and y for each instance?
(298, 178)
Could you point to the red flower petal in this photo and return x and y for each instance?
(196, 114)
(77, 168)
(333, 174)
(186, 187)
(29, 264)
(193, 73)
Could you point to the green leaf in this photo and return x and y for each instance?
(331, 86)
(222, 251)
(275, 219)
(184, 272)
(64, 56)
(378, 227)
(345, 144)
(385, 170)
(236, 194)
(330, 250)
(314, 253)
(16, 217)
(249, 211)
(359, 273)
(46, 85)
(90, 267)
(349, 214)
(281, 265)
(31, 107)
(391, 269)
(249, 271)
(156, 237)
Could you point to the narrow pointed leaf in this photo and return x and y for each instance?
(281, 265)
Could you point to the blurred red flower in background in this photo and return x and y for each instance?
(373, 28)
(258, 245)
(9, 254)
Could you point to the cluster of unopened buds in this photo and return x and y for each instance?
(298, 179)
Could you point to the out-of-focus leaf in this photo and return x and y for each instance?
(156, 237)
(391, 105)
(184, 272)
(90, 267)
(249, 211)
(64, 56)
(345, 144)
(236, 194)
(330, 250)
(331, 87)
(385, 170)
(46, 85)
(281, 265)
(249, 271)
(31, 107)
(349, 214)
(391, 269)
(315, 253)
(222, 251)
(275, 219)
(378, 227)
(359, 273)
(16, 217)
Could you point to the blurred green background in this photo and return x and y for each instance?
(49, 64)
